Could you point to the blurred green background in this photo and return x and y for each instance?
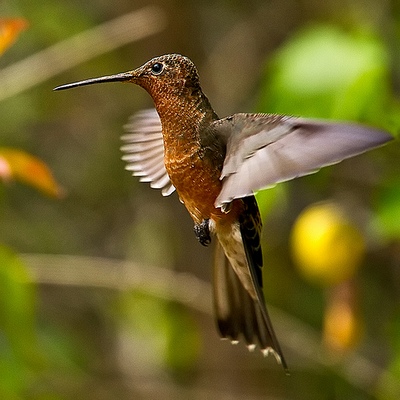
(104, 291)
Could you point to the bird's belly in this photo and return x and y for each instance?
(197, 184)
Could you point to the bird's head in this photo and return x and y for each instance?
(170, 74)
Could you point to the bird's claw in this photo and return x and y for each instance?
(202, 232)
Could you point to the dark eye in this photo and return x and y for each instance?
(157, 68)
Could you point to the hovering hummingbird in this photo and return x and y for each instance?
(216, 165)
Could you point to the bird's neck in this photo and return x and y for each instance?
(183, 115)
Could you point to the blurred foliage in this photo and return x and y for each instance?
(388, 211)
(164, 327)
(9, 31)
(26, 168)
(18, 339)
(343, 323)
(22, 358)
(336, 60)
(326, 72)
(15, 163)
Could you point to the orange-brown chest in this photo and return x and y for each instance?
(193, 171)
(195, 178)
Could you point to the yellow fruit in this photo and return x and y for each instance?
(327, 248)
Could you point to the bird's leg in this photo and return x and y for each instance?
(202, 232)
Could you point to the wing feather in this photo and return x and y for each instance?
(144, 150)
(264, 149)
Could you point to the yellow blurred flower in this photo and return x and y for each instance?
(327, 248)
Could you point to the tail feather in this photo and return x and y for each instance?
(233, 305)
(238, 298)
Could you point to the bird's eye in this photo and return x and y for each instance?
(157, 68)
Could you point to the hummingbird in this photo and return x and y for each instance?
(216, 165)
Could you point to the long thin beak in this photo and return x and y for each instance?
(123, 76)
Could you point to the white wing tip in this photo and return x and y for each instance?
(251, 347)
(269, 350)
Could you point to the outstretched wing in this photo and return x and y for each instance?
(264, 149)
(144, 150)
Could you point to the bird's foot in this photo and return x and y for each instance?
(202, 232)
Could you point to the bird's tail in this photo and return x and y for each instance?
(238, 298)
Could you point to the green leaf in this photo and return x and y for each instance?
(328, 73)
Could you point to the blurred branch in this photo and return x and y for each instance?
(121, 275)
(185, 288)
(80, 48)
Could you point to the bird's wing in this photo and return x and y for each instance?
(264, 149)
(144, 150)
